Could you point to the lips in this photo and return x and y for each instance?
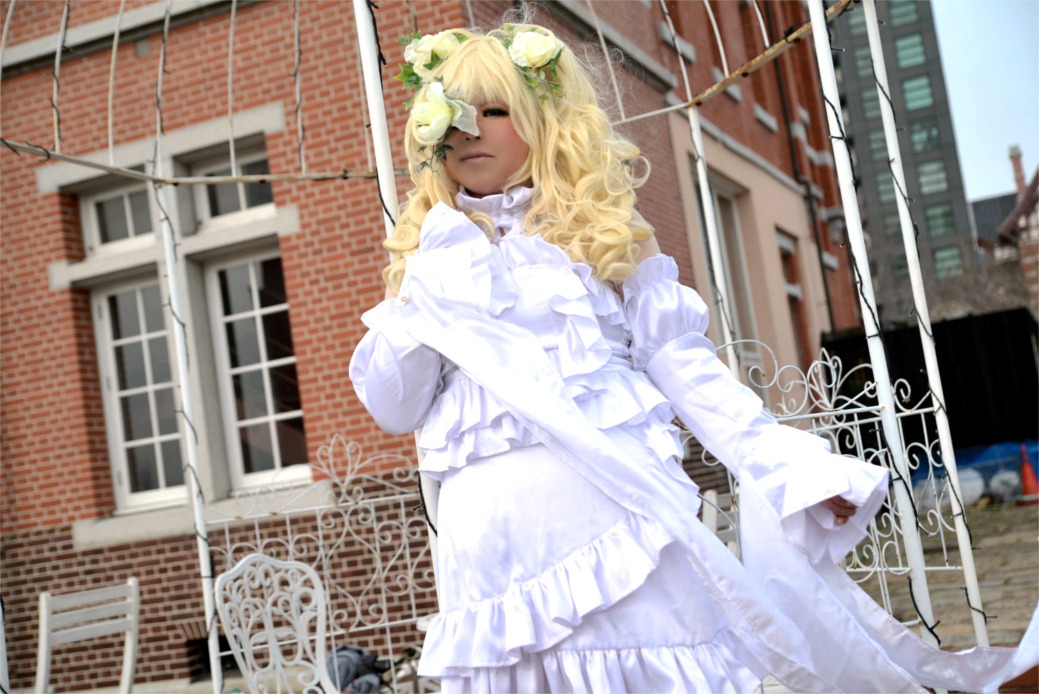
(475, 155)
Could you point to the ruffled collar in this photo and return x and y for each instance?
(505, 209)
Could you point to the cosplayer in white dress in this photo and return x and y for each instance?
(569, 556)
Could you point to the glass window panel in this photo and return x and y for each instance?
(902, 12)
(278, 334)
(857, 21)
(144, 474)
(242, 342)
(933, 178)
(257, 193)
(924, 136)
(152, 301)
(257, 452)
(235, 289)
(137, 419)
(940, 220)
(877, 145)
(909, 50)
(111, 220)
(870, 103)
(292, 443)
(142, 221)
(123, 309)
(948, 262)
(900, 266)
(250, 399)
(892, 225)
(885, 187)
(172, 465)
(223, 197)
(863, 61)
(158, 353)
(165, 411)
(285, 388)
(917, 92)
(129, 366)
(271, 283)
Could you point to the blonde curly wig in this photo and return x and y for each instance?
(580, 169)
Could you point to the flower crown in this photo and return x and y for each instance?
(534, 53)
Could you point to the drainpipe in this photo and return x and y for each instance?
(809, 199)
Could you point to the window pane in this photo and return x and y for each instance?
(257, 193)
(172, 465)
(940, 220)
(129, 366)
(111, 220)
(137, 418)
(152, 301)
(870, 103)
(909, 50)
(892, 225)
(123, 309)
(948, 262)
(271, 283)
(900, 266)
(885, 187)
(285, 389)
(250, 400)
(933, 178)
(142, 222)
(165, 411)
(158, 353)
(242, 342)
(292, 444)
(278, 334)
(877, 145)
(235, 290)
(917, 91)
(863, 61)
(902, 12)
(924, 136)
(223, 197)
(857, 21)
(144, 474)
(257, 453)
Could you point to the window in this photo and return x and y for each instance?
(923, 135)
(870, 103)
(885, 187)
(259, 386)
(892, 224)
(909, 51)
(940, 220)
(115, 216)
(856, 21)
(226, 198)
(900, 266)
(948, 262)
(917, 92)
(863, 61)
(795, 296)
(877, 145)
(144, 435)
(932, 177)
(902, 12)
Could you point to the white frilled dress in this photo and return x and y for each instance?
(570, 557)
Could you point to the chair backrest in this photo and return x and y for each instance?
(719, 513)
(86, 615)
(273, 614)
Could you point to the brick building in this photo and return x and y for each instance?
(276, 275)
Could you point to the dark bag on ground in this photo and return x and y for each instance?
(356, 670)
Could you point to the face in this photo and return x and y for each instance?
(483, 163)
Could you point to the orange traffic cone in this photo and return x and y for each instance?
(1029, 483)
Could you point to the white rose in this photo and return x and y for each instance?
(420, 51)
(435, 114)
(533, 49)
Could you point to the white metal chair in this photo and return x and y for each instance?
(273, 614)
(718, 513)
(87, 615)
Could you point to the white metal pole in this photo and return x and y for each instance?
(934, 379)
(388, 191)
(885, 396)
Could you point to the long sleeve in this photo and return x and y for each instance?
(795, 470)
(395, 376)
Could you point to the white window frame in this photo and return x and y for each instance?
(245, 215)
(293, 474)
(91, 226)
(126, 499)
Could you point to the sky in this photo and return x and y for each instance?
(990, 58)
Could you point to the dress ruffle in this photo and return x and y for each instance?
(537, 614)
